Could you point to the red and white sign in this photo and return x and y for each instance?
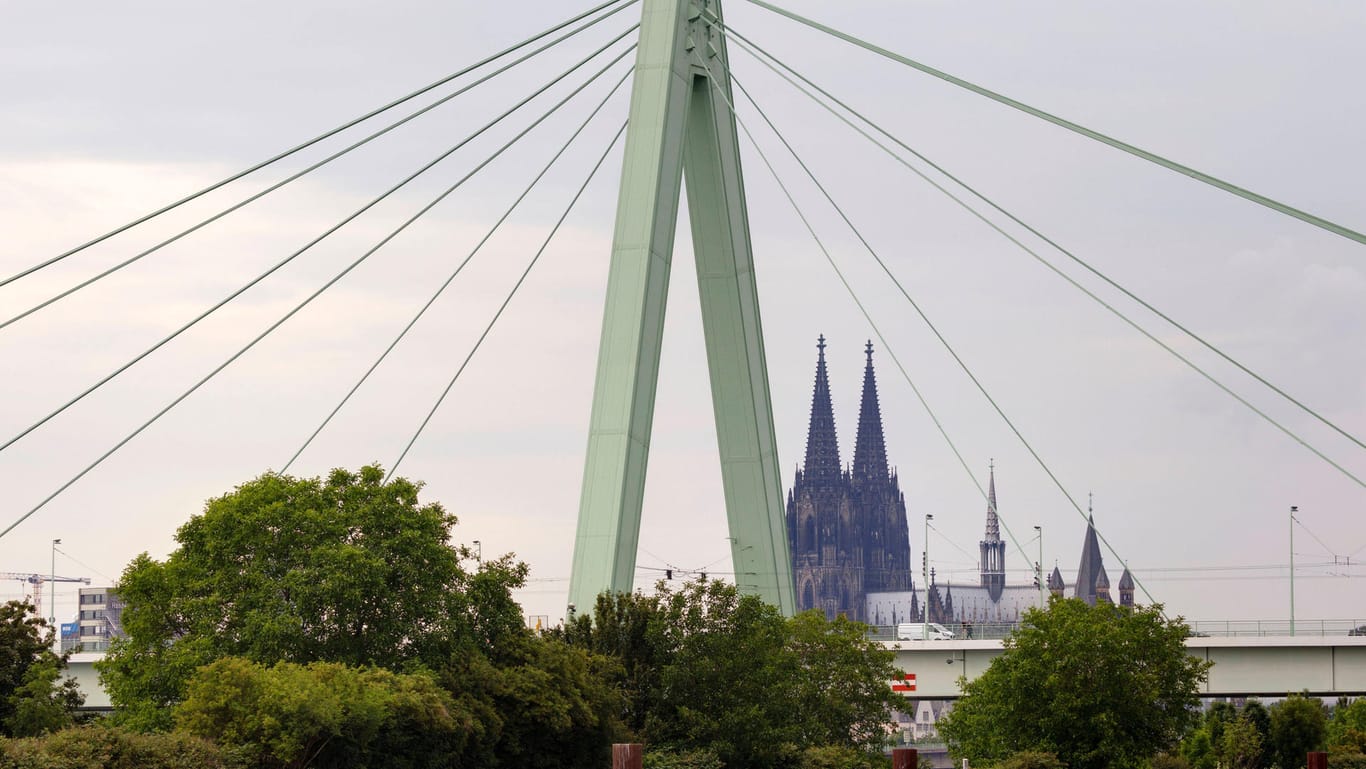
(905, 684)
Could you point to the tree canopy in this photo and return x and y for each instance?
(351, 570)
(1099, 686)
(710, 674)
(1298, 725)
(33, 697)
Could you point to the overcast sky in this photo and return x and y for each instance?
(111, 110)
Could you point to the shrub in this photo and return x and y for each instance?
(101, 746)
(1030, 759)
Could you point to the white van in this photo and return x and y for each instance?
(915, 631)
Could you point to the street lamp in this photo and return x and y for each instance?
(478, 551)
(1293, 509)
(52, 588)
(925, 624)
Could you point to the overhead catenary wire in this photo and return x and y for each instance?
(283, 319)
(944, 342)
(1075, 284)
(753, 49)
(1171, 165)
(309, 143)
(355, 214)
(440, 399)
(868, 317)
(460, 267)
(295, 176)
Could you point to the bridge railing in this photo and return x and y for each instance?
(1219, 628)
(1235, 628)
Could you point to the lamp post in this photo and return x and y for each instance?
(925, 625)
(478, 551)
(1293, 509)
(1038, 569)
(52, 588)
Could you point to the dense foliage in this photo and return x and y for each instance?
(34, 699)
(100, 746)
(1298, 725)
(351, 570)
(332, 623)
(710, 674)
(1099, 686)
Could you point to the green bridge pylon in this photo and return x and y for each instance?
(679, 127)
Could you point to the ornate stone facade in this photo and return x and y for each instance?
(846, 526)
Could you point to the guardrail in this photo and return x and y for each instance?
(1219, 628)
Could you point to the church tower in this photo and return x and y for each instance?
(1126, 588)
(993, 550)
(878, 501)
(823, 533)
(1055, 584)
(1091, 567)
(1103, 586)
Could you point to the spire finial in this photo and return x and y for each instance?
(820, 343)
(1090, 504)
(868, 350)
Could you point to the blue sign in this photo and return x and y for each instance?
(71, 629)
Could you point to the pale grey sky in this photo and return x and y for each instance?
(112, 110)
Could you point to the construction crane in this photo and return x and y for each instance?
(37, 580)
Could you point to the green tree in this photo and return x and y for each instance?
(1240, 746)
(1298, 725)
(1257, 715)
(1347, 729)
(1100, 686)
(34, 699)
(351, 570)
(711, 674)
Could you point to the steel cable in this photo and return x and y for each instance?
(324, 136)
(286, 317)
(329, 231)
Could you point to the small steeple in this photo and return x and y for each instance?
(1126, 588)
(1055, 584)
(1103, 586)
(870, 449)
(822, 446)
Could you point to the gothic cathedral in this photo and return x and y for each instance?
(846, 526)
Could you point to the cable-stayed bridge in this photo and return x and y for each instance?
(668, 67)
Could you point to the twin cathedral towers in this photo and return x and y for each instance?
(850, 540)
(846, 526)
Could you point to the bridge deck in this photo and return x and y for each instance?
(1266, 666)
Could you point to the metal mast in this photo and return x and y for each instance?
(678, 128)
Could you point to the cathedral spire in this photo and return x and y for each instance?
(822, 446)
(993, 521)
(870, 450)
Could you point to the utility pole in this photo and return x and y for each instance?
(925, 626)
(1038, 570)
(1293, 509)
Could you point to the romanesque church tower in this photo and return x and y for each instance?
(846, 528)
